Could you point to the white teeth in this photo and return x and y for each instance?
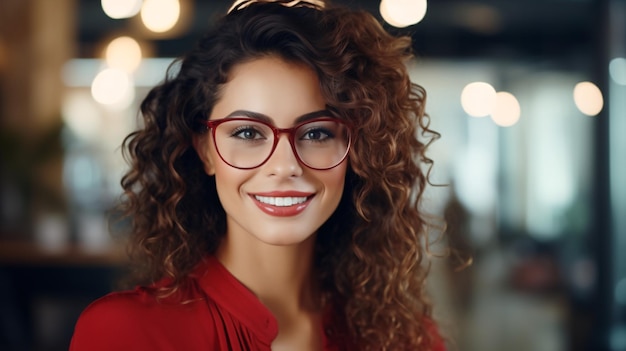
(280, 201)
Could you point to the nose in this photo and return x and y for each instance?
(283, 162)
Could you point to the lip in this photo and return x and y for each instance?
(283, 211)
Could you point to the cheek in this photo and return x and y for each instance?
(227, 191)
(335, 181)
(229, 183)
(227, 179)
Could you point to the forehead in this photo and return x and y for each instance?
(271, 86)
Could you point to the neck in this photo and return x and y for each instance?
(282, 277)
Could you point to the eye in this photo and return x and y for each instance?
(317, 134)
(247, 133)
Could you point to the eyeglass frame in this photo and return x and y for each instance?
(310, 117)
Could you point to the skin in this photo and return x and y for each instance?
(272, 255)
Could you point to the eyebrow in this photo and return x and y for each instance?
(267, 119)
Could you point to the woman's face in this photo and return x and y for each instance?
(252, 198)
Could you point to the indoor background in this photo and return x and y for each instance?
(529, 98)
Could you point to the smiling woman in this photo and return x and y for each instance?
(274, 193)
(254, 164)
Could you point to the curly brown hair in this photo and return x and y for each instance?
(370, 254)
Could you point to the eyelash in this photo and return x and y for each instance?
(326, 134)
(242, 129)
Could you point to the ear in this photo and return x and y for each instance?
(201, 145)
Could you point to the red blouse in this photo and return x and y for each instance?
(219, 314)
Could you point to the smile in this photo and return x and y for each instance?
(281, 201)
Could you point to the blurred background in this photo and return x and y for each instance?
(529, 98)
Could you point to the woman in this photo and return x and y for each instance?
(274, 193)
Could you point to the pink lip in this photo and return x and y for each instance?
(283, 211)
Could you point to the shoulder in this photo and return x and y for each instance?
(109, 322)
(132, 320)
(119, 307)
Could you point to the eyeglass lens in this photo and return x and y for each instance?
(246, 143)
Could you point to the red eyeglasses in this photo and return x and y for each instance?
(319, 143)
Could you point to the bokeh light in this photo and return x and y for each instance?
(113, 87)
(588, 98)
(123, 53)
(478, 99)
(403, 13)
(507, 110)
(81, 115)
(477, 17)
(617, 70)
(160, 16)
(117, 9)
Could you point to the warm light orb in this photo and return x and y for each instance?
(123, 53)
(478, 99)
(588, 98)
(403, 13)
(507, 110)
(617, 70)
(113, 87)
(384, 12)
(160, 15)
(117, 9)
(81, 115)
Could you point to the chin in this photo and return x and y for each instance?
(284, 238)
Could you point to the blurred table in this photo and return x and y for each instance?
(14, 252)
(43, 291)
